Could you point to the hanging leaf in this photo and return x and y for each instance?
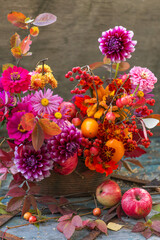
(135, 161)
(14, 203)
(16, 192)
(139, 103)
(123, 66)
(15, 40)
(25, 44)
(37, 137)
(144, 129)
(17, 19)
(49, 128)
(16, 52)
(6, 66)
(150, 122)
(127, 166)
(28, 121)
(96, 65)
(44, 19)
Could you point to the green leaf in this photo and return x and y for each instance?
(155, 217)
(36, 225)
(6, 66)
(156, 207)
(2, 211)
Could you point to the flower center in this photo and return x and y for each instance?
(58, 115)
(31, 161)
(144, 75)
(15, 76)
(114, 45)
(140, 94)
(20, 128)
(44, 102)
(71, 147)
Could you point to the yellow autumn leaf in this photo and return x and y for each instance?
(114, 226)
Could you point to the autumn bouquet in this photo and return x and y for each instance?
(103, 124)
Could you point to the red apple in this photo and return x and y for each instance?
(108, 193)
(136, 203)
(71, 109)
(68, 166)
(76, 121)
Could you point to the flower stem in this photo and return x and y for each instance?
(117, 66)
(19, 96)
(135, 90)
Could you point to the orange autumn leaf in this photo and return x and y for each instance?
(25, 44)
(49, 128)
(37, 137)
(96, 65)
(15, 40)
(99, 113)
(17, 19)
(123, 66)
(106, 60)
(28, 121)
(92, 110)
(16, 52)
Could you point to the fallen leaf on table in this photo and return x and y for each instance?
(114, 226)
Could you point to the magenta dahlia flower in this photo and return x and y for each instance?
(45, 103)
(15, 80)
(33, 165)
(142, 77)
(117, 44)
(65, 144)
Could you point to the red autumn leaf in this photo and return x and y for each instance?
(60, 226)
(28, 121)
(49, 128)
(89, 223)
(139, 227)
(25, 44)
(14, 204)
(16, 52)
(63, 200)
(68, 230)
(65, 217)
(33, 202)
(77, 221)
(135, 153)
(47, 199)
(17, 19)
(44, 19)
(4, 172)
(15, 40)
(135, 161)
(6, 158)
(139, 103)
(26, 205)
(101, 225)
(156, 226)
(53, 208)
(123, 66)
(156, 116)
(96, 65)
(147, 233)
(37, 137)
(35, 189)
(16, 192)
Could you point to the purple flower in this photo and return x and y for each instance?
(117, 44)
(33, 165)
(65, 144)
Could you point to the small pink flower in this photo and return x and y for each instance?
(142, 77)
(45, 103)
(15, 80)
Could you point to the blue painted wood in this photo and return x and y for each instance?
(48, 231)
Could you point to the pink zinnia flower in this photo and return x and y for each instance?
(45, 103)
(117, 44)
(142, 77)
(15, 129)
(15, 80)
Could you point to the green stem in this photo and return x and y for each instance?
(135, 90)
(117, 66)
(19, 96)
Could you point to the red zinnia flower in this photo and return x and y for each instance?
(15, 80)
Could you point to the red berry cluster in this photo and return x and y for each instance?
(145, 142)
(151, 102)
(144, 111)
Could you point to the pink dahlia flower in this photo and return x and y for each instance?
(15, 80)
(45, 103)
(142, 77)
(33, 165)
(65, 144)
(117, 44)
(15, 130)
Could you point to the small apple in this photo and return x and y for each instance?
(110, 116)
(68, 166)
(76, 121)
(71, 109)
(136, 203)
(108, 193)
